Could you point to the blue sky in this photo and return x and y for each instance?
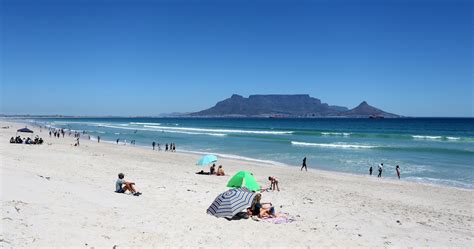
(148, 57)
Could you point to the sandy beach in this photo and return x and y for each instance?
(58, 195)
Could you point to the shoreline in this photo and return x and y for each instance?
(421, 180)
(59, 195)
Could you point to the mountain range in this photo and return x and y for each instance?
(282, 105)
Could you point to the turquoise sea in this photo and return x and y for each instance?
(429, 150)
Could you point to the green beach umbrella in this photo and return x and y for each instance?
(244, 179)
(206, 160)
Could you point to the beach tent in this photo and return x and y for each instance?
(231, 202)
(206, 160)
(245, 179)
(25, 130)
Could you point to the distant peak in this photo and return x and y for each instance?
(236, 96)
(363, 103)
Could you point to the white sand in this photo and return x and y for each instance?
(77, 206)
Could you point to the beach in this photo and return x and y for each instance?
(59, 195)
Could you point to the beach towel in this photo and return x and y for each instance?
(282, 218)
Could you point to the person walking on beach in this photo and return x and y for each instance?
(304, 165)
(153, 144)
(398, 171)
(370, 170)
(174, 147)
(117, 140)
(166, 147)
(380, 170)
(98, 139)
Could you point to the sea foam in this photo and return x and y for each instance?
(218, 130)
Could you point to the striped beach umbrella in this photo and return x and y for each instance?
(231, 202)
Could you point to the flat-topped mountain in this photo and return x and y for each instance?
(274, 105)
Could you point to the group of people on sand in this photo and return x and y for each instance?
(380, 169)
(28, 140)
(213, 171)
(261, 210)
(56, 132)
(168, 147)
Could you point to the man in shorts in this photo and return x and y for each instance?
(121, 186)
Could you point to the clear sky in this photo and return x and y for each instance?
(148, 57)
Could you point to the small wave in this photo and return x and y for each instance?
(165, 130)
(336, 134)
(195, 133)
(436, 181)
(427, 137)
(140, 123)
(343, 146)
(218, 130)
(453, 138)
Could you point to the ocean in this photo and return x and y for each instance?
(428, 150)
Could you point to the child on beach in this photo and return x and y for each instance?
(398, 171)
(121, 186)
(273, 183)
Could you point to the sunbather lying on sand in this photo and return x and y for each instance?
(121, 185)
(202, 173)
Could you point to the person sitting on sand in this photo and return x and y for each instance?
(12, 140)
(262, 210)
(273, 183)
(121, 186)
(220, 171)
(212, 170)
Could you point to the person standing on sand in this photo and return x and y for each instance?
(153, 144)
(370, 170)
(98, 139)
(166, 147)
(398, 171)
(117, 140)
(304, 165)
(380, 170)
